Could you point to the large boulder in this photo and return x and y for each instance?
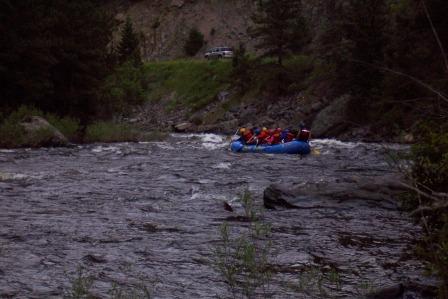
(378, 191)
(331, 121)
(225, 127)
(39, 132)
(183, 127)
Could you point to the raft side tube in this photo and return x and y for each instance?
(292, 147)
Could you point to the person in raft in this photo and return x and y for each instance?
(264, 136)
(304, 133)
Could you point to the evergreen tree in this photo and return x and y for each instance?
(129, 46)
(194, 42)
(241, 68)
(279, 27)
(52, 54)
(354, 46)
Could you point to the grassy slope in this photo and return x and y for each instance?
(193, 83)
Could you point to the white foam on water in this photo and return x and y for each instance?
(21, 176)
(207, 140)
(7, 151)
(213, 141)
(320, 143)
(334, 143)
(164, 145)
(222, 165)
(206, 181)
(101, 148)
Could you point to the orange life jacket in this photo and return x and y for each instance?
(248, 136)
(263, 136)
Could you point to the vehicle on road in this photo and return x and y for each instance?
(219, 52)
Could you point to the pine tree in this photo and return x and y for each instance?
(129, 46)
(194, 42)
(279, 27)
(53, 54)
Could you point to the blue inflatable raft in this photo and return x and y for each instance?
(293, 147)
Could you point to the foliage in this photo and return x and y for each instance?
(111, 132)
(241, 69)
(269, 77)
(244, 261)
(187, 83)
(194, 42)
(53, 54)
(353, 44)
(82, 284)
(430, 176)
(279, 27)
(129, 47)
(12, 134)
(124, 88)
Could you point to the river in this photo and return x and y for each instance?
(151, 212)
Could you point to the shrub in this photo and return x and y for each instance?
(123, 89)
(244, 260)
(194, 42)
(13, 135)
(110, 132)
(430, 176)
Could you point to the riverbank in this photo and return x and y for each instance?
(212, 96)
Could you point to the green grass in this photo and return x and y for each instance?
(104, 131)
(190, 83)
(12, 135)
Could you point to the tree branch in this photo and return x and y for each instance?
(436, 35)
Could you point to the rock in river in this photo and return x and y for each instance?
(379, 190)
(182, 127)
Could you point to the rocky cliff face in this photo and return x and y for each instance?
(165, 24)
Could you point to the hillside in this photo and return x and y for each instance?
(165, 24)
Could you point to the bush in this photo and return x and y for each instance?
(194, 42)
(244, 260)
(187, 83)
(430, 176)
(12, 135)
(110, 132)
(123, 89)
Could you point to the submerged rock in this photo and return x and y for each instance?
(388, 292)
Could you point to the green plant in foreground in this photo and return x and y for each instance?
(429, 176)
(82, 284)
(244, 260)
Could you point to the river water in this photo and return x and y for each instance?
(150, 213)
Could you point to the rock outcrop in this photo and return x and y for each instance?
(38, 133)
(378, 190)
(331, 120)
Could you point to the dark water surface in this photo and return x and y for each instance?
(151, 212)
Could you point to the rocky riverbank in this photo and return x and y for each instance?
(326, 118)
